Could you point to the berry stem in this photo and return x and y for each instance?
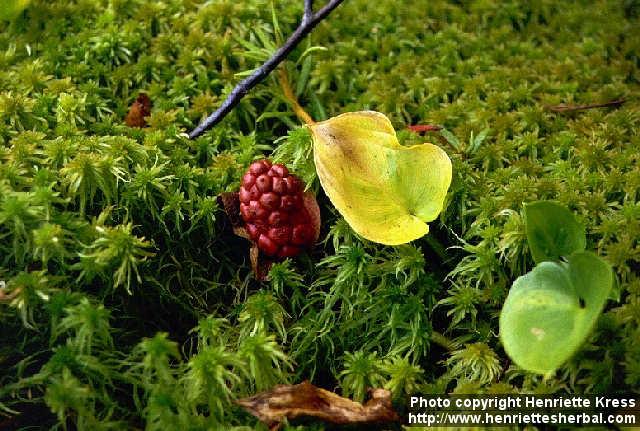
(283, 78)
(308, 22)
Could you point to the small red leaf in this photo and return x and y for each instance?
(419, 128)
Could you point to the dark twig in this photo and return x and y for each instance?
(308, 11)
(573, 108)
(309, 21)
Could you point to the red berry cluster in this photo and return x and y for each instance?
(272, 206)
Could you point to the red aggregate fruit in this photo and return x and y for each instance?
(274, 209)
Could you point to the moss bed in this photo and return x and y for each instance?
(129, 304)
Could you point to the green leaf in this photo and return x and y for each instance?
(552, 231)
(550, 311)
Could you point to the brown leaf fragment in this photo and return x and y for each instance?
(307, 400)
(139, 109)
(260, 264)
(230, 201)
(572, 108)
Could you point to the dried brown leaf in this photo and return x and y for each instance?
(307, 400)
(139, 109)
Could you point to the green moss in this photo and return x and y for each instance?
(113, 246)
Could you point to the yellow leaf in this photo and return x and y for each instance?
(385, 191)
